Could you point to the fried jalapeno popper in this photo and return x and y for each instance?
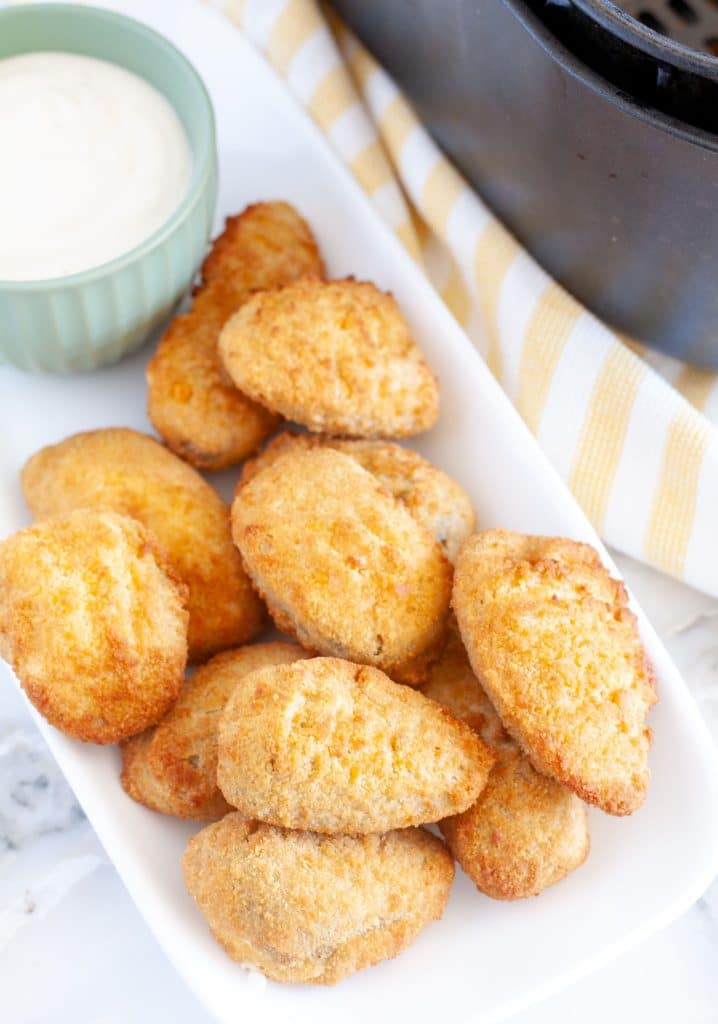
(553, 642)
(94, 623)
(304, 907)
(192, 402)
(343, 566)
(333, 747)
(134, 474)
(335, 356)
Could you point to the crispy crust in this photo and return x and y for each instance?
(191, 401)
(434, 499)
(172, 768)
(93, 620)
(525, 831)
(334, 747)
(342, 565)
(453, 684)
(135, 475)
(312, 908)
(551, 638)
(335, 356)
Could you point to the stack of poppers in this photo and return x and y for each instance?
(318, 760)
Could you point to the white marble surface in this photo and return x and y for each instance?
(74, 950)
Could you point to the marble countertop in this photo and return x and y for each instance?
(74, 950)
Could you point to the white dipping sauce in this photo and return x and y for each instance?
(93, 160)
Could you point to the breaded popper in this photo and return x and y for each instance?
(553, 642)
(335, 356)
(192, 402)
(343, 566)
(94, 623)
(329, 746)
(304, 907)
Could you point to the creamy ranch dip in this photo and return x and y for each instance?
(93, 160)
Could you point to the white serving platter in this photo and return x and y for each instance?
(485, 960)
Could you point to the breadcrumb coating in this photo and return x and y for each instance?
(342, 565)
(313, 908)
(335, 356)
(553, 642)
(192, 402)
(330, 746)
(524, 833)
(93, 621)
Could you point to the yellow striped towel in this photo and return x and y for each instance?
(632, 433)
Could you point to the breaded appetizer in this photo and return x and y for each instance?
(525, 831)
(335, 356)
(342, 565)
(312, 908)
(434, 499)
(172, 768)
(191, 400)
(93, 621)
(334, 747)
(134, 474)
(551, 639)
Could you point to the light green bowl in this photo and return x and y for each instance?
(93, 318)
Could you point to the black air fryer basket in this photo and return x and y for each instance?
(591, 128)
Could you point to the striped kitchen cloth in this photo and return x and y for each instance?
(634, 434)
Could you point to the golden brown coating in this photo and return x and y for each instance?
(191, 400)
(172, 768)
(342, 565)
(330, 746)
(335, 356)
(453, 684)
(134, 474)
(552, 640)
(434, 499)
(312, 908)
(525, 831)
(93, 620)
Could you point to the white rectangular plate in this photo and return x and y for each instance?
(485, 959)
